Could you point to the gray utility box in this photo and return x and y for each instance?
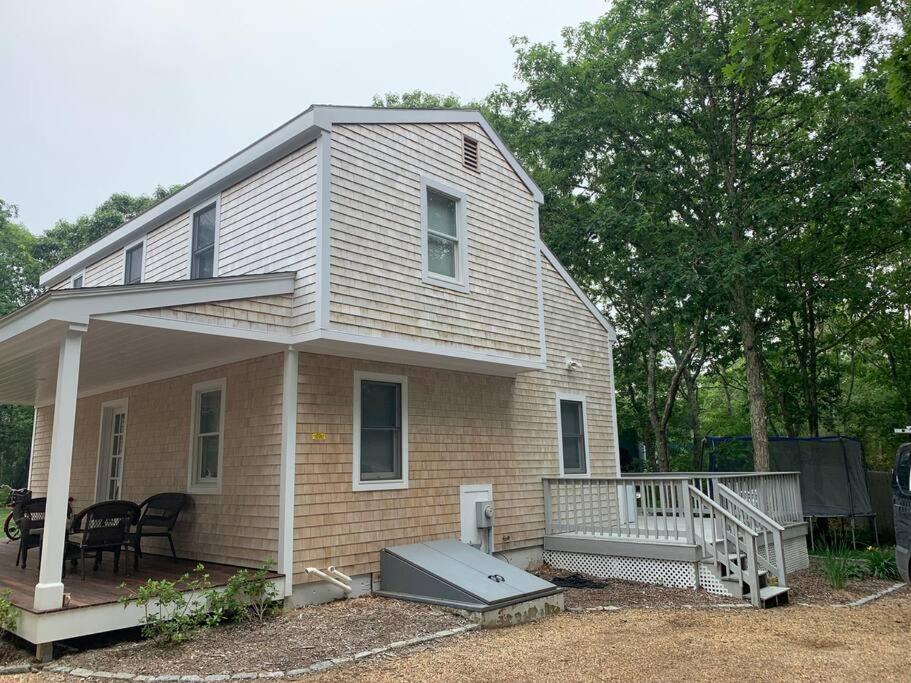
(454, 574)
(483, 513)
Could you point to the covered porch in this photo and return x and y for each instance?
(113, 375)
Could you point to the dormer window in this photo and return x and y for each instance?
(205, 234)
(445, 241)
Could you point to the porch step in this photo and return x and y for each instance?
(773, 596)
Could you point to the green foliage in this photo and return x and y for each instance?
(175, 611)
(881, 563)
(418, 99)
(9, 614)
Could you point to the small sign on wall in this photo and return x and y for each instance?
(317, 436)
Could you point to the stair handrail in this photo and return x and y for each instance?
(768, 527)
(751, 575)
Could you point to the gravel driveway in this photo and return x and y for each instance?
(869, 643)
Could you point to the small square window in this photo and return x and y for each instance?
(78, 281)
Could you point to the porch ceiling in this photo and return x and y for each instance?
(113, 355)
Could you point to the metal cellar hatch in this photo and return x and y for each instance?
(454, 574)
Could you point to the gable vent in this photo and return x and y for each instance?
(470, 153)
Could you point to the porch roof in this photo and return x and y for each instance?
(115, 352)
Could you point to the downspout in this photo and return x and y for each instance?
(288, 470)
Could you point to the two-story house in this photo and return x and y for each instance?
(339, 340)
(334, 341)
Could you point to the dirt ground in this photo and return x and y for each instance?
(869, 643)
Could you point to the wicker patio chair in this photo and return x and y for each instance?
(102, 527)
(158, 516)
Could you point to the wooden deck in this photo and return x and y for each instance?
(102, 587)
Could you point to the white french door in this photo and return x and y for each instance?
(110, 456)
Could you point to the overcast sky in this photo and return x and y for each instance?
(107, 96)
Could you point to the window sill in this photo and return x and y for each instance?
(205, 489)
(584, 475)
(379, 485)
(447, 284)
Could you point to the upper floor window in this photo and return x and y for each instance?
(208, 436)
(132, 264)
(78, 280)
(202, 249)
(445, 240)
(380, 431)
(573, 443)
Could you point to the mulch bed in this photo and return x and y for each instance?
(14, 651)
(619, 593)
(292, 640)
(810, 587)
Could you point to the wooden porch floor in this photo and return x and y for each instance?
(101, 587)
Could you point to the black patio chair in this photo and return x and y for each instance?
(29, 517)
(102, 527)
(158, 516)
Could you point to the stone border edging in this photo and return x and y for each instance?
(79, 672)
(875, 596)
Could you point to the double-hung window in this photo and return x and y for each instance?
(207, 445)
(573, 443)
(202, 247)
(444, 235)
(132, 264)
(380, 431)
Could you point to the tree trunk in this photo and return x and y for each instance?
(659, 427)
(755, 389)
(692, 397)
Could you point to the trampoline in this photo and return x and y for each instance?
(833, 478)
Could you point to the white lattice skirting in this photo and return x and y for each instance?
(674, 573)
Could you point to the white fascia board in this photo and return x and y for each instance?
(555, 262)
(325, 116)
(78, 305)
(271, 147)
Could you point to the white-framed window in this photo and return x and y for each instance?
(78, 280)
(380, 436)
(207, 437)
(444, 235)
(134, 262)
(204, 240)
(572, 433)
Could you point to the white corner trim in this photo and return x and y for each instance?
(288, 469)
(142, 262)
(579, 398)
(460, 282)
(613, 407)
(356, 483)
(539, 283)
(555, 262)
(216, 199)
(199, 388)
(323, 228)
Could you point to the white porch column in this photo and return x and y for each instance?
(49, 591)
(288, 470)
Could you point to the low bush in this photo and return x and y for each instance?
(9, 614)
(838, 565)
(881, 563)
(176, 610)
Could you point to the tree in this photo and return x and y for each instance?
(419, 99)
(18, 268)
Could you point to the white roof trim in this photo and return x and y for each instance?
(554, 261)
(78, 305)
(286, 138)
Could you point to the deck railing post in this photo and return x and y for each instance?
(548, 519)
(686, 505)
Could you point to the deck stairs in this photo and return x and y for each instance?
(742, 546)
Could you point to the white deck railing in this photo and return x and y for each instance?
(659, 507)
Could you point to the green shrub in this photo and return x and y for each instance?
(881, 563)
(172, 608)
(9, 615)
(176, 610)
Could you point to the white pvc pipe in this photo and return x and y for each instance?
(323, 575)
(339, 575)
